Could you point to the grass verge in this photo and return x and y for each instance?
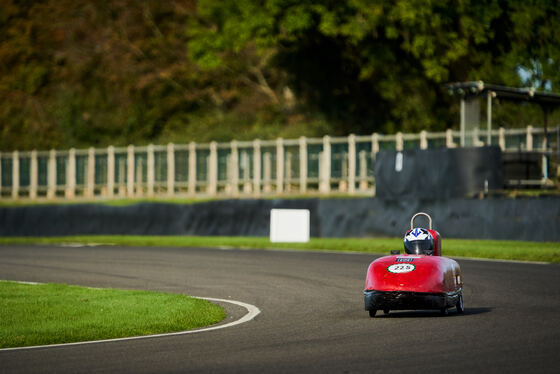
(56, 313)
(26, 202)
(489, 249)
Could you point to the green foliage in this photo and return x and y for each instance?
(380, 66)
(118, 72)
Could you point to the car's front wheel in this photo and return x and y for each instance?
(372, 312)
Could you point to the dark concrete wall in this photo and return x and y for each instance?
(533, 219)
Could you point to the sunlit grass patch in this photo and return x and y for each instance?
(57, 313)
(491, 249)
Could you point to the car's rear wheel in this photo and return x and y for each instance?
(386, 311)
(372, 312)
(460, 307)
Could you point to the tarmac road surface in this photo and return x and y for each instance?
(312, 315)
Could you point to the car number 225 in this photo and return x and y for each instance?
(400, 268)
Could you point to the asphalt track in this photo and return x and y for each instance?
(312, 317)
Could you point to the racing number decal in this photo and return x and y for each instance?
(400, 268)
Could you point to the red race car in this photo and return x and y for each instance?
(418, 279)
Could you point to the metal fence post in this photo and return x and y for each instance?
(91, 173)
(374, 151)
(213, 169)
(352, 163)
(192, 169)
(544, 158)
(267, 172)
(122, 177)
(151, 170)
(529, 138)
(257, 167)
(51, 175)
(343, 183)
(140, 177)
(71, 174)
(288, 176)
(130, 171)
(303, 164)
(33, 175)
(449, 143)
(325, 182)
(234, 165)
(476, 140)
(279, 165)
(399, 141)
(463, 121)
(245, 164)
(110, 171)
(363, 171)
(423, 139)
(374, 144)
(15, 175)
(489, 97)
(557, 151)
(502, 139)
(170, 169)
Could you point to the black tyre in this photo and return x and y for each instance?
(385, 311)
(460, 307)
(444, 311)
(372, 312)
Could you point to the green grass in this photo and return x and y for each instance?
(490, 249)
(183, 199)
(25, 202)
(56, 313)
(126, 201)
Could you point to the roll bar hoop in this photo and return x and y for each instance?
(420, 214)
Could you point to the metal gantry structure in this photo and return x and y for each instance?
(471, 93)
(303, 166)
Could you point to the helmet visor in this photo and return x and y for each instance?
(419, 247)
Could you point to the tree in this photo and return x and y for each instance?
(76, 74)
(371, 66)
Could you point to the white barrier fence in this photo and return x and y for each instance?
(239, 168)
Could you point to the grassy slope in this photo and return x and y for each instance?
(55, 313)
(491, 249)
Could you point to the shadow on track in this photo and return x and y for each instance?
(432, 313)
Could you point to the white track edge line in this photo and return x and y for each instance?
(252, 312)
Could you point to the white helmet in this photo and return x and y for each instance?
(419, 242)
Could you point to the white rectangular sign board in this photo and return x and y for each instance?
(289, 225)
